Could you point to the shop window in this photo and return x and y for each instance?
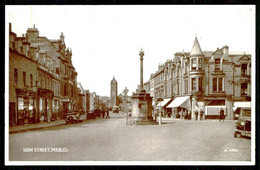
(20, 103)
(218, 84)
(193, 84)
(24, 79)
(244, 69)
(193, 63)
(217, 64)
(30, 104)
(244, 89)
(16, 76)
(200, 64)
(200, 84)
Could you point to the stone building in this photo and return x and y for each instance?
(206, 81)
(113, 93)
(22, 77)
(42, 77)
(81, 100)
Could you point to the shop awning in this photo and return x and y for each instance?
(180, 102)
(241, 104)
(163, 103)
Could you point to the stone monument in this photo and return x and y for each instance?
(141, 101)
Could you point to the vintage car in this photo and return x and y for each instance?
(243, 124)
(115, 109)
(74, 117)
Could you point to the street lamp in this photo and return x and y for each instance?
(160, 113)
(125, 105)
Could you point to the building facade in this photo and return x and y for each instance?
(206, 81)
(42, 78)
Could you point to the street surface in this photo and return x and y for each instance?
(111, 140)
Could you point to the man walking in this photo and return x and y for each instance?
(201, 114)
(196, 114)
(221, 115)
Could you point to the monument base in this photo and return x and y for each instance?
(141, 109)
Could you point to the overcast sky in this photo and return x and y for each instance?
(106, 40)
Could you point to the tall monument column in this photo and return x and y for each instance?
(141, 101)
(141, 53)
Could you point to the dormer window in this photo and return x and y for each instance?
(217, 64)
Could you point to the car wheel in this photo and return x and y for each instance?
(237, 135)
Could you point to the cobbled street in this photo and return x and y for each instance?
(111, 140)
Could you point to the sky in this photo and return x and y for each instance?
(106, 40)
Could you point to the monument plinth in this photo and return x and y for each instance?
(141, 101)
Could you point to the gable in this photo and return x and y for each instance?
(244, 58)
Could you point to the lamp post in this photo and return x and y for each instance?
(125, 105)
(160, 113)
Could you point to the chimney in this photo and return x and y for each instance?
(34, 26)
(10, 27)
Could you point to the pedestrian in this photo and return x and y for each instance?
(196, 114)
(221, 115)
(49, 115)
(42, 118)
(107, 115)
(201, 114)
(103, 113)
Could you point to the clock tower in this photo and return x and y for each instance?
(113, 93)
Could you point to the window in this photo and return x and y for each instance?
(71, 91)
(20, 103)
(24, 79)
(30, 104)
(200, 64)
(172, 89)
(193, 64)
(244, 69)
(185, 86)
(194, 85)
(200, 84)
(217, 64)
(165, 90)
(215, 82)
(244, 89)
(65, 88)
(177, 84)
(218, 84)
(16, 76)
(31, 80)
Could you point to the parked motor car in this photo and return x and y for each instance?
(73, 117)
(243, 124)
(115, 109)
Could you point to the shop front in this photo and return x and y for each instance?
(181, 107)
(45, 103)
(26, 111)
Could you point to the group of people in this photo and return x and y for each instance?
(105, 114)
(197, 114)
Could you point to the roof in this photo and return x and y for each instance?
(196, 50)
